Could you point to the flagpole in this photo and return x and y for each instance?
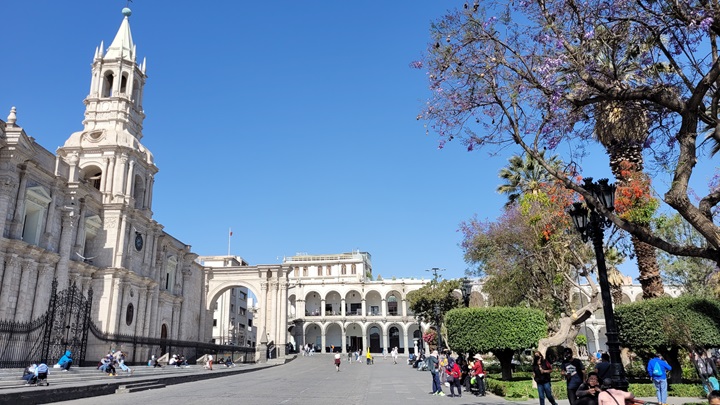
(229, 235)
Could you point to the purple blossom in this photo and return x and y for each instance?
(416, 64)
(706, 23)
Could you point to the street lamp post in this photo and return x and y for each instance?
(437, 325)
(590, 224)
(466, 291)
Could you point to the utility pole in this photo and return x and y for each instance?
(435, 272)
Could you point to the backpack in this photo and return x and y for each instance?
(657, 370)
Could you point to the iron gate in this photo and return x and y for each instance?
(63, 327)
(67, 324)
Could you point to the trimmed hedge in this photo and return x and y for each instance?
(522, 389)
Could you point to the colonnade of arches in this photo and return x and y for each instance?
(350, 303)
(352, 336)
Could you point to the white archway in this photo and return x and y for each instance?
(269, 283)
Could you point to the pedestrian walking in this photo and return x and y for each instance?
(573, 371)
(432, 364)
(657, 369)
(337, 362)
(541, 370)
(394, 354)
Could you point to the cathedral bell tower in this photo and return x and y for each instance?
(116, 89)
(107, 153)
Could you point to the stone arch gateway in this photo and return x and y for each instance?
(270, 282)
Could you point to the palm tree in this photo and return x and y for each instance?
(622, 128)
(524, 176)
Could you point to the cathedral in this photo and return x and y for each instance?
(83, 216)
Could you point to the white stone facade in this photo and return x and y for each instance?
(232, 315)
(333, 302)
(85, 215)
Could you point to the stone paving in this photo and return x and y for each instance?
(313, 380)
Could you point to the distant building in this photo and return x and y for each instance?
(333, 301)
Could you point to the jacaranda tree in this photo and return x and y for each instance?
(530, 73)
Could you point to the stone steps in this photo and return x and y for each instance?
(10, 378)
(140, 386)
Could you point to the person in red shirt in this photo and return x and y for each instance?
(478, 372)
(454, 374)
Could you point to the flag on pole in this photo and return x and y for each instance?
(231, 232)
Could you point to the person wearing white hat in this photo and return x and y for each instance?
(478, 372)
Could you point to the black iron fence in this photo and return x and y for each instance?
(137, 346)
(21, 342)
(67, 326)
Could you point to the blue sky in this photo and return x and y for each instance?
(293, 123)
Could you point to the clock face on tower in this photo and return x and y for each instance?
(138, 241)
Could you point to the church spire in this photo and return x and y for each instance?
(122, 46)
(116, 89)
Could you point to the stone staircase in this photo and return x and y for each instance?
(83, 382)
(141, 386)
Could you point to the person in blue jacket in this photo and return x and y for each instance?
(66, 361)
(657, 369)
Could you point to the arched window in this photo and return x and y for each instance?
(123, 83)
(129, 314)
(343, 270)
(108, 84)
(328, 270)
(296, 270)
(170, 268)
(139, 191)
(392, 306)
(136, 93)
(92, 175)
(353, 269)
(305, 271)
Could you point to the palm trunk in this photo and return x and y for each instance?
(652, 285)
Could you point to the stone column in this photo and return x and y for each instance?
(262, 331)
(104, 178)
(110, 184)
(122, 244)
(146, 197)
(364, 310)
(129, 183)
(142, 305)
(175, 320)
(383, 311)
(150, 192)
(80, 237)
(344, 338)
(322, 307)
(61, 270)
(27, 292)
(300, 308)
(323, 344)
(282, 314)
(10, 286)
(18, 216)
(43, 291)
(115, 304)
(152, 327)
(119, 174)
(342, 307)
(184, 309)
(406, 338)
(385, 341)
(403, 307)
(7, 188)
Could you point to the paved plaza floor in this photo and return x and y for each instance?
(311, 380)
